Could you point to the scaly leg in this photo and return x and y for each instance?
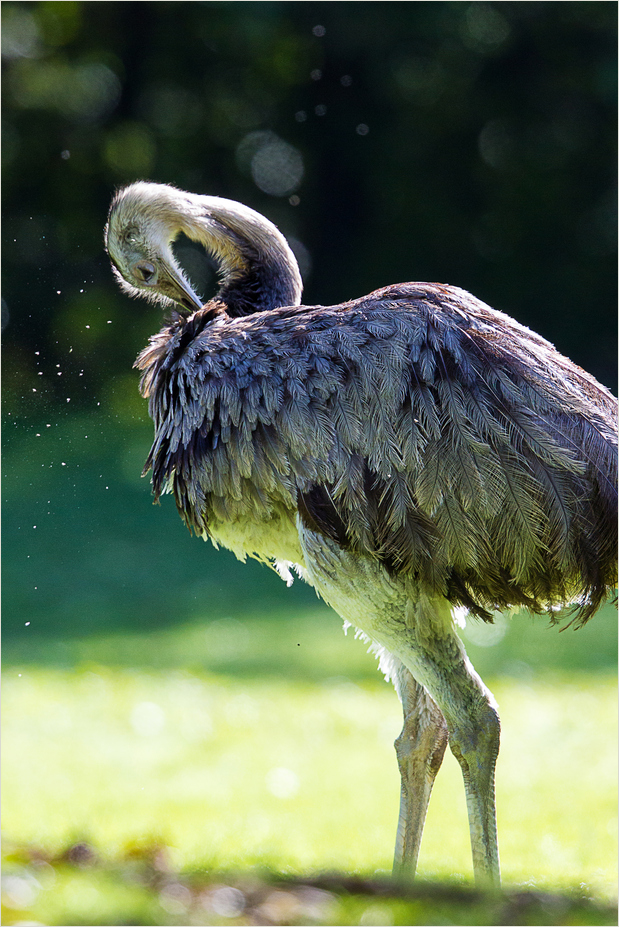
(475, 744)
(439, 661)
(420, 749)
(419, 630)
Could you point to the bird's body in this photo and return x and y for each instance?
(416, 426)
(407, 453)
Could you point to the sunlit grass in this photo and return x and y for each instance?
(297, 776)
(158, 692)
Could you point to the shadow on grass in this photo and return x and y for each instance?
(142, 888)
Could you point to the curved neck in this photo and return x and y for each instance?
(259, 271)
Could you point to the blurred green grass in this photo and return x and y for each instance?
(143, 889)
(297, 776)
(157, 692)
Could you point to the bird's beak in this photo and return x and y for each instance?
(189, 299)
(178, 289)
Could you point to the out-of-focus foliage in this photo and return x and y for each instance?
(470, 143)
(142, 888)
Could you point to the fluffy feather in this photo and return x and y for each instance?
(416, 425)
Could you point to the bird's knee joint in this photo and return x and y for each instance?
(479, 736)
(425, 747)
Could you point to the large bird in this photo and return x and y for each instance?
(412, 454)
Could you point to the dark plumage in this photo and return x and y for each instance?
(413, 449)
(414, 425)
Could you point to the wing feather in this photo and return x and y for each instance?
(416, 426)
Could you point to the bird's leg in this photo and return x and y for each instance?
(439, 661)
(419, 630)
(420, 749)
(476, 749)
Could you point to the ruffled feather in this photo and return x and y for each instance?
(415, 426)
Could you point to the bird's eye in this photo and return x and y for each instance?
(145, 272)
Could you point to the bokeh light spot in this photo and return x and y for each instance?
(275, 166)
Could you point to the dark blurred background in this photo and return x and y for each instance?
(468, 143)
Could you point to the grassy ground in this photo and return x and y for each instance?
(294, 775)
(242, 772)
(177, 725)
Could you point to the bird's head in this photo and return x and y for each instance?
(143, 222)
(257, 267)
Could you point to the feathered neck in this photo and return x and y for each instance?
(257, 268)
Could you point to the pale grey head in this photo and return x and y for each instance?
(258, 269)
